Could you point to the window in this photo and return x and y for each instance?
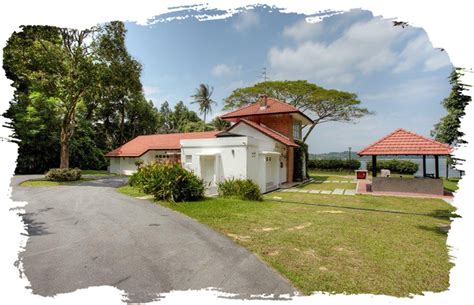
(268, 159)
(297, 130)
(188, 159)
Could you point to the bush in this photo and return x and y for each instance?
(334, 164)
(300, 163)
(168, 181)
(244, 189)
(63, 174)
(395, 166)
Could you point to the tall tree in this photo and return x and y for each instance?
(76, 92)
(202, 97)
(448, 129)
(321, 104)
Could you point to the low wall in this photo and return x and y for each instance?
(408, 185)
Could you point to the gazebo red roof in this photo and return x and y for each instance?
(404, 142)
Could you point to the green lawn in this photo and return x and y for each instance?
(451, 184)
(342, 244)
(44, 182)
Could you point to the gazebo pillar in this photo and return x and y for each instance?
(436, 166)
(424, 166)
(374, 166)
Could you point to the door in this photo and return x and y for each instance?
(208, 170)
(270, 173)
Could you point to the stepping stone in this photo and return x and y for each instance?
(293, 190)
(285, 190)
(350, 192)
(315, 191)
(338, 192)
(344, 181)
(326, 192)
(336, 181)
(325, 181)
(303, 191)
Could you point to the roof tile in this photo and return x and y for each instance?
(404, 142)
(142, 144)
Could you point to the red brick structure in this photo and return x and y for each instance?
(281, 118)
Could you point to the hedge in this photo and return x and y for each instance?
(395, 166)
(334, 164)
(244, 189)
(63, 174)
(168, 181)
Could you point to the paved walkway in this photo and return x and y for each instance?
(88, 234)
(349, 192)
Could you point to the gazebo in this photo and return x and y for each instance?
(402, 142)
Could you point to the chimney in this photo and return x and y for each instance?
(263, 101)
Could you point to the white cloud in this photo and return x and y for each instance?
(246, 20)
(419, 50)
(365, 47)
(150, 90)
(223, 70)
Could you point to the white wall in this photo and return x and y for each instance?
(231, 154)
(126, 165)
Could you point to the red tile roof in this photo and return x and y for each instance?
(274, 106)
(142, 144)
(404, 142)
(267, 131)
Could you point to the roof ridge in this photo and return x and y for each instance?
(428, 139)
(240, 108)
(380, 140)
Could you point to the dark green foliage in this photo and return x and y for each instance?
(300, 164)
(448, 129)
(63, 174)
(168, 181)
(334, 164)
(92, 98)
(244, 189)
(395, 166)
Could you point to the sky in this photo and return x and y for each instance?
(395, 71)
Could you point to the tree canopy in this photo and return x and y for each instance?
(322, 105)
(202, 97)
(77, 95)
(448, 129)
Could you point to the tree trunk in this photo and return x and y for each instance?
(64, 151)
(122, 124)
(204, 125)
(309, 132)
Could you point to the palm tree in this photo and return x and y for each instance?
(202, 97)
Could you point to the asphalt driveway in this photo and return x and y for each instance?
(89, 235)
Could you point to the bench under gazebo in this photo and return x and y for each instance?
(402, 142)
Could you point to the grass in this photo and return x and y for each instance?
(131, 191)
(44, 182)
(325, 181)
(451, 184)
(353, 244)
(96, 172)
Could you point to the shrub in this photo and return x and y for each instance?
(395, 166)
(244, 189)
(63, 174)
(300, 167)
(168, 181)
(334, 164)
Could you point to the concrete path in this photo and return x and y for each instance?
(90, 235)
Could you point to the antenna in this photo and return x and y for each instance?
(264, 74)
